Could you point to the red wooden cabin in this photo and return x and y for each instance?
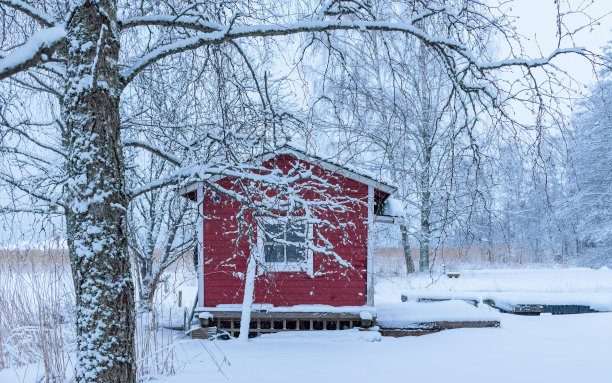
(298, 284)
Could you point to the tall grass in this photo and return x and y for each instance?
(37, 322)
(155, 345)
(36, 306)
(390, 262)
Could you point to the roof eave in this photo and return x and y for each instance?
(326, 164)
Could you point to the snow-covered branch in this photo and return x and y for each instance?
(39, 48)
(188, 22)
(528, 63)
(226, 33)
(17, 128)
(38, 15)
(35, 193)
(153, 149)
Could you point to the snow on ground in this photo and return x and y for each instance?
(571, 348)
(596, 301)
(560, 348)
(575, 286)
(546, 348)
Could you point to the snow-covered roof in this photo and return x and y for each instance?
(326, 162)
(393, 207)
(334, 165)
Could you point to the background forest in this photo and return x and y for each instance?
(108, 109)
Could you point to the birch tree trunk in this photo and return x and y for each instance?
(425, 133)
(425, 232)
(247, 300)
(407, 251)
(96, 196)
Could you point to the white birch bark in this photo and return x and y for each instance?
(249, 290)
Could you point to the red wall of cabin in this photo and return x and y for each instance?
(225, 258)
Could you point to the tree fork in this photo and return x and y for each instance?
(96, 196)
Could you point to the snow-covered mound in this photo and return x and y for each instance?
(408, 314)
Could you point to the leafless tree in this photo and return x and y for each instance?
(435, 136)
(65, 69)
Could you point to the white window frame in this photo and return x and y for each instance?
(278, 267)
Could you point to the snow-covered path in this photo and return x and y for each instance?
(570, 348)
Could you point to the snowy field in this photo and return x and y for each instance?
(560, 348)
(574, 348)
(546, 348)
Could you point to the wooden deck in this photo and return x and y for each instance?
(425, 328)
(537, 309)
(473, 302)
(264, 322)
(524, 308)
(440, 298)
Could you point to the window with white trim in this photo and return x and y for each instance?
(284, 247)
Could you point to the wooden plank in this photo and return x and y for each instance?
(537, 309)
(567, 309)
(286, 315)
(398, 333)
(527, 309)
(448, 325)
(453, 274)
(520, 309)
(473, 302)
(424, 328)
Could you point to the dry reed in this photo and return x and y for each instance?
(36, 304)
(390, 262)
(37, 320)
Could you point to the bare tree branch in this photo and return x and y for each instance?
(40, 16)
(153, 149)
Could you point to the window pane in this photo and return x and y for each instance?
(273, 231)
(274, 253)
(277, 252)
(297, 235)
(295, 254)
